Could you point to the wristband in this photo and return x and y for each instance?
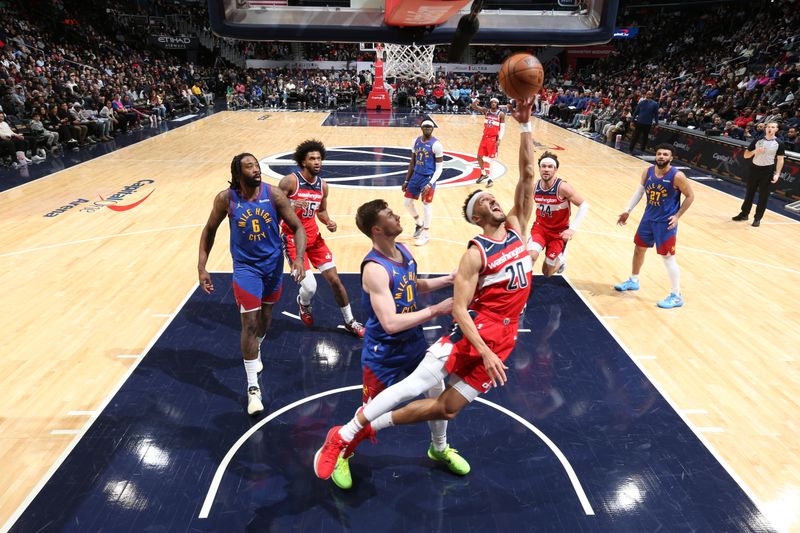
(525, 128)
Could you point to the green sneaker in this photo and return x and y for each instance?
(455, 463)
(341, 474)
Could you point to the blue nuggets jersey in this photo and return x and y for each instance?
(255, 230)
(663, 199)
(403, 286)
(425, 159)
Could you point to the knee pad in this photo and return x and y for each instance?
(308, 287)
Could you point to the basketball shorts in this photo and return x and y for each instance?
(252, 287)
(545, 239)
(317, 254)
(488, 147)
(652, 232)
(499, 334)
(415, 186)
(383, 365)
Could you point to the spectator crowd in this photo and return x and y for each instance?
(726, 72)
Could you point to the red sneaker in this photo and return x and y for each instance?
(326, 457)
(305, 313)
(356, 328)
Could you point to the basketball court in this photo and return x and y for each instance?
(124, 395)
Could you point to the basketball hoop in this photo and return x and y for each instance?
(408, 62)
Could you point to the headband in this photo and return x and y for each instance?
(548, 160)
(494, 100)
(471, 206)
(426, 123)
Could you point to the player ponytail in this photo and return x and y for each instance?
(236, 170)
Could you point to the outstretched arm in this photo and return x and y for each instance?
(520, 214)
(474, 105)
(434, 284)
(375, 281)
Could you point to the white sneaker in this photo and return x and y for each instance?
(37, 159)
(562, 267)
(423, 239)
(254, 405)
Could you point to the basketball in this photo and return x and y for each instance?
(521, 76)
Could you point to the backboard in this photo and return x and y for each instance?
(504, 22)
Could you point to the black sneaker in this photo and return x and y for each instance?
(483, 177)
(740, 217)
(756, 223)
(417, 231)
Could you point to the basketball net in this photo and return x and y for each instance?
(407, 62)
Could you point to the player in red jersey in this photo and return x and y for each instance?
(492, 284)
(493, 130)
(308, 193)
(552, 230)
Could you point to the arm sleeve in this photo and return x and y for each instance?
(438, 149)
(502, 131)
(579, 216)
(436, 173)
(637, 195)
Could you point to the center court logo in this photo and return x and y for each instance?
(113, 202)
(380, 167)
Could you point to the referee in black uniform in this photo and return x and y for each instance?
(768, 155)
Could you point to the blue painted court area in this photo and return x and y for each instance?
(148, 461)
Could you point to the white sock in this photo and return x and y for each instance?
(409, 203)
(438, 427)
(674, 273)
(308, 288)
(349, 430)
(250, 368)
(635, 278)
(428, 209)
(260, 340)
(347, 313)
(382, 422)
